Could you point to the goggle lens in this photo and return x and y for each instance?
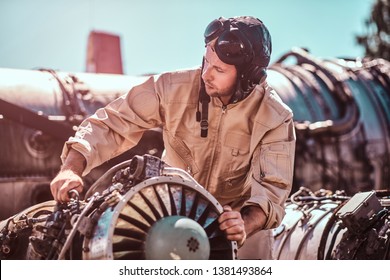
(231, 49)
(230, 45)
(213, 30)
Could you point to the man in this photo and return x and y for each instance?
(222, 123)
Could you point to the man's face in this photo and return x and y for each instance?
(219, 78)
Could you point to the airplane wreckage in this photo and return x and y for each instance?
(338, 209)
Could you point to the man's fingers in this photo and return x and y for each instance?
(227, 208)
(63, 193)
(230, 220)
(64, 182)
(230, 217)
(234, 230)
(233, 225)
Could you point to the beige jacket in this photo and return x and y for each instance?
(247, 158)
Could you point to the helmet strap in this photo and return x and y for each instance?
(204, 99)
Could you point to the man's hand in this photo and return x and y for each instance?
(233, 225)
(65, 181)
(69, 178)
(238, 226)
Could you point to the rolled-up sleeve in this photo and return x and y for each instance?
(272, 172)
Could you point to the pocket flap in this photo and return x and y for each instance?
(238, 142)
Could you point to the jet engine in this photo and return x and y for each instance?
(324, 225)
(149, 211)
(342, 118)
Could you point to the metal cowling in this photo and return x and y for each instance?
(324, 225)
(342, 118)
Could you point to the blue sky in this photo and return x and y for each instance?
(166, 35)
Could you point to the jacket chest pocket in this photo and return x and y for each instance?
(235, 162)
(236, 151)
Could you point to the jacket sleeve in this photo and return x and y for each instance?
(272, 172)
(117, 127)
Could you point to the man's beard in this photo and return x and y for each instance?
(217, 93)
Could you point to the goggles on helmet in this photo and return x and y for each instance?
(232, 46)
